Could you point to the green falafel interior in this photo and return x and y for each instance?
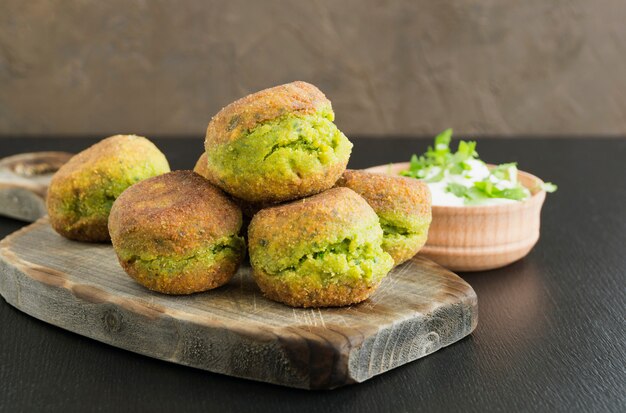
(103, 185)
(400, 233)
(352, 257)
(169, 265)
(284, 149)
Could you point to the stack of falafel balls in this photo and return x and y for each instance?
(274, 169)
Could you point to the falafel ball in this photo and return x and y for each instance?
(177, 233)
(320, 251)
(403, 206)
(276, 145)
(82, 191)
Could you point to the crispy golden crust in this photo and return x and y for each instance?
(386, 193)
(103, 167)
(180, 207)
(201, 167)
(245, 113)
(401, 252)
(175, 215)
(315, 219)
(84, 230)
(202, 278)
(333, 295)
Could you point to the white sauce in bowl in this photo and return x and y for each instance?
(478, 172)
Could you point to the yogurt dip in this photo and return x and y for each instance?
(478, 172)
(462, 179)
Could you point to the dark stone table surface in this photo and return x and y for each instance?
(551, 334)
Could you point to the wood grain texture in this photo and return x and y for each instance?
(24, 180)
(419, 308)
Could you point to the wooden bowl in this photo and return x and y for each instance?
(477, 238)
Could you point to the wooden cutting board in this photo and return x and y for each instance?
(419, 308)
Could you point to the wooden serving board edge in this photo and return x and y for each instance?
(24, 180)
(47, 295)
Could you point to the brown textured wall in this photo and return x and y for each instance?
(390, 67)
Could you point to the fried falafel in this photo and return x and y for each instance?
(320, 251)
(276, 145)
(177, 233)
(82, 191)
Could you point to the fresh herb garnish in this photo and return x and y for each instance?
(465, 175)
(549, 187)
(441, 158)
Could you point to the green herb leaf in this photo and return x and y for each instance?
(457, 189)
(549, 187)
(506, 171)
(465, 151)
(489, 190)
(517, 193)
(442, 141)
(439, 161)
(486, 187)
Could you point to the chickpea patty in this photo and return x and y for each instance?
(276, 145)
(320, 251)
(82, 191)
(177, 233)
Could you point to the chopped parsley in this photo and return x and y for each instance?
(465, 176)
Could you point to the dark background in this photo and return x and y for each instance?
(551, 334)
